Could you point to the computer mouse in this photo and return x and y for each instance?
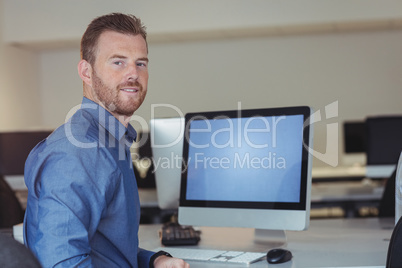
(278, 255)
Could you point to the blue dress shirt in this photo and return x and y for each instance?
(83, 206)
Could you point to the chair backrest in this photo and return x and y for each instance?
(387, 203)
(14, 254)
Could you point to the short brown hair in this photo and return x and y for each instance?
(117, 22)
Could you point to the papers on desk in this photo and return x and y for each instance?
(18, 233)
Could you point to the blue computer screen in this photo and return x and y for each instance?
(248, 159)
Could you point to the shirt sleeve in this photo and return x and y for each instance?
(144, 257)
(71, 203)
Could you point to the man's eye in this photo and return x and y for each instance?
(142, 64)
(118, 63)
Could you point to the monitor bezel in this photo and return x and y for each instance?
(303, 203)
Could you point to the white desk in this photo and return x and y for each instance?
(327, 243)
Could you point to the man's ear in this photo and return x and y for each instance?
(85, 72)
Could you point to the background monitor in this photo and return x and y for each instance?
(166, 137)
(384, 145)
(248, 168)
(15, 148)
(354, 134)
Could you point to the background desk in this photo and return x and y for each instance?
(340, 186)
(328, 199)
(353, 197)
(327, 243)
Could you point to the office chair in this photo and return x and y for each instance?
(11, 211)
(387, 202)
(13, 254)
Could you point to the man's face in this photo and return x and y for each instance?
(120, 72)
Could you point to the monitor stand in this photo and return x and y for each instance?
(272, 238)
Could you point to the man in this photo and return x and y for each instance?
(83, 206)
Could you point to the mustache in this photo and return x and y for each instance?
(131, 84)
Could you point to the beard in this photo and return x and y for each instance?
(109, 96)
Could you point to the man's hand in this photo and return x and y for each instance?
(169, 262)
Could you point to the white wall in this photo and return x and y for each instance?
(54, 21)
(20, 100)
(361, 69)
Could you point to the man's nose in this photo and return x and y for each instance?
(132, 72)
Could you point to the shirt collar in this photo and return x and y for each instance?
(108, 121)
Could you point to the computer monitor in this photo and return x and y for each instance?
(247, 168)
(15, 148)
(354, 135)
(166, 136)
(384, 145)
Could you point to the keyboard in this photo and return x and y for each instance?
(174, 234)
(210, 255)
